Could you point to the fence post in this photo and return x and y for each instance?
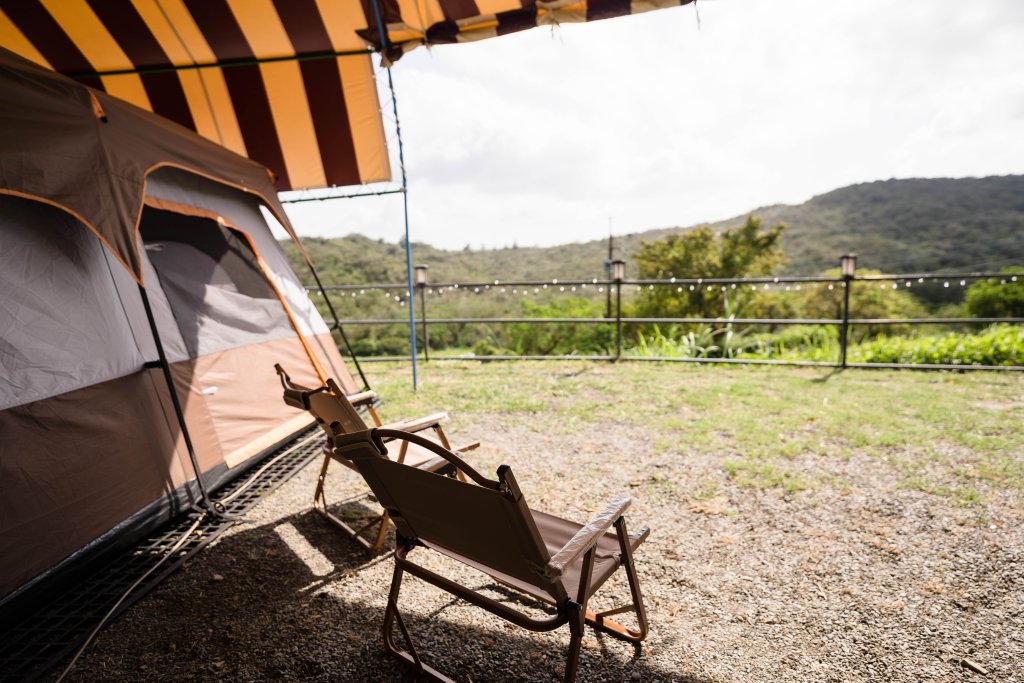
(847, 267)
(421, 284)
(618, 272)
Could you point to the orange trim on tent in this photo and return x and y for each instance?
(89, 226)
(187, 210)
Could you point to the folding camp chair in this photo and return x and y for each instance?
(487, 525)
(334, 413)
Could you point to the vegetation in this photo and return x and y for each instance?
(997, 299)
(997, 345)
(951, 435)
(747, 251)
(743, 250)
(896, 226)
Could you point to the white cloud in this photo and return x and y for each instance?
(539, 137)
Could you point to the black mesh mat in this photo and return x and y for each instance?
(36, 641)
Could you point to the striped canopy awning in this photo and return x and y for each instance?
(288, 83)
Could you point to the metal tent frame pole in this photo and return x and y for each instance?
(207, 502)
(337, 325)
(405, 194)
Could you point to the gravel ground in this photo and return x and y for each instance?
(864, 581)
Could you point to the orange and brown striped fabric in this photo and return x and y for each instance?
(288, 83)
(410, 23)
(313, 123)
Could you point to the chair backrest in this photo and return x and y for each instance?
(327, 404)
(486, 523)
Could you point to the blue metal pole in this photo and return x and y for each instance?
(405, 196)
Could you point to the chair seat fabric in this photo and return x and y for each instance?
(556, 532)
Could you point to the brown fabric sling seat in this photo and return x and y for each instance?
(487, 525)
(334, 412)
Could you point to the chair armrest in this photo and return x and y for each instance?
(419, 424)
(361, 397)
(586, 537)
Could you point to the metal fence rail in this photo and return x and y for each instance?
(614, 287)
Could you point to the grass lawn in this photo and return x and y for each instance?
(956, 435)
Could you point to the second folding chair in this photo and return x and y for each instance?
(325, 403)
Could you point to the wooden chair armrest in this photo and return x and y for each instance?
(586, 537)
(362, 397)
(419, 424)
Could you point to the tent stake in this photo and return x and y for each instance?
(207, 503)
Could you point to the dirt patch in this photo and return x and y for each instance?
(855, 578)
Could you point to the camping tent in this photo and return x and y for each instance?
(106, 211)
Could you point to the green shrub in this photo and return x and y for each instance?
(541, 339)
(996, 345)
(997, 298)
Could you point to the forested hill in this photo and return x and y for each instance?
(894, 225)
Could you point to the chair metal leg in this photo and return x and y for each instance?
(577, 617)
(382, 532)
(320, 505)
(572, 662)
(600, 620)
(408, 657)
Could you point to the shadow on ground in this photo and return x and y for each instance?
(295, 600)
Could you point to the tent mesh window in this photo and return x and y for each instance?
(218, 294)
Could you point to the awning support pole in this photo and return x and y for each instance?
(207, 503)
(405, 195)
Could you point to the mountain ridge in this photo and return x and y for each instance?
(896, 225)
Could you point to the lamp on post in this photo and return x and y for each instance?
(848, 265)
(618, 273)
(847, 268)
(421, 284)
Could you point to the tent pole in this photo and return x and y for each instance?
(166, 367)
(337, 325)
(405, 194)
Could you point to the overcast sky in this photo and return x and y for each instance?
(655, 120)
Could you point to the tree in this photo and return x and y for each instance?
(748, 251)
(997, 298)
(868, 299)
